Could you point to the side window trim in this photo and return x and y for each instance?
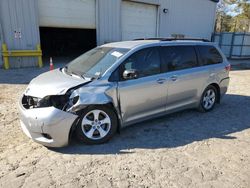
(198, 54)
(164, 67)
(114, 76)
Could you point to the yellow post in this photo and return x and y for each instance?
(40, 61)
(6, 64)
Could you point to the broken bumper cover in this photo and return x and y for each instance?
(48, 126)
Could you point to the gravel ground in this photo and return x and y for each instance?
(185, 149)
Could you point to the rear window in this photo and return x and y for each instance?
(209, 55)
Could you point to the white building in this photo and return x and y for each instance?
(66, 27)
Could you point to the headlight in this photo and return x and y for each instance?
(58, 101)
(61, 102)
(44, 102)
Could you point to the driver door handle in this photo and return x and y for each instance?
(161, 80)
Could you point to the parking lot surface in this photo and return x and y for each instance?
(185, 149)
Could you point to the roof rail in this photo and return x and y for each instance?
(149, 38)
(173, 39)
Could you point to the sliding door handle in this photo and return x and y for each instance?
(174, 77)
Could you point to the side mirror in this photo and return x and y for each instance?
(130, 74)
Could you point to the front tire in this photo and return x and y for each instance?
(208, 99)
(97, 125)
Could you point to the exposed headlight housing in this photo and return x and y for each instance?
(62, 102)
(58, 101)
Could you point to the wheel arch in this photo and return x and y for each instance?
(80, 110)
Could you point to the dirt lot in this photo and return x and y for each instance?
(186, 149)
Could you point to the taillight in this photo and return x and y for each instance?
(228, 67)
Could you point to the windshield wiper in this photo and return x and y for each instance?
(86, 77)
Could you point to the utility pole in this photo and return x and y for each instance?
(221, 23)
(1, 42)
(235, 25)
(249, 25)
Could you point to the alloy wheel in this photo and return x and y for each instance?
(209, 99)
(96, 124)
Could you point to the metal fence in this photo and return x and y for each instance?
(234, 45)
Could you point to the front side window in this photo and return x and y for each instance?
(179, 57)
(95, 62)
(146, 62)
(209, 55)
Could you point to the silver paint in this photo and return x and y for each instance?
(133, 100)
(52, 83)
(52, 121)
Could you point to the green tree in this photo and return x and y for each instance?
(236, 19)
(244, 17)
(223, 19)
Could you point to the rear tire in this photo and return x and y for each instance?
(208, 99)
(97, 125)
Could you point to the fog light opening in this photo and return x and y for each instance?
(47, 136)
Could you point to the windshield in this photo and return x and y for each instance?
(95, 62)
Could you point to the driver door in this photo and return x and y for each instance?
(145, 96)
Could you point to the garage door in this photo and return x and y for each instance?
(138, 20)
(67, 13)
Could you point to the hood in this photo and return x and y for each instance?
(52, 83)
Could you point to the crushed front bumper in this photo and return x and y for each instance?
(48, 126)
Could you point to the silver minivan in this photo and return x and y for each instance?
(119, 84)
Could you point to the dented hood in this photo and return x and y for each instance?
(52, 83)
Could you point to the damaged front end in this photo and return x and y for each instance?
(58, 101)
(48, 120)
(61, 102)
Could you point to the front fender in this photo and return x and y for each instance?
(96, 95)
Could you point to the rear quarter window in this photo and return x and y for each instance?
(209, 55)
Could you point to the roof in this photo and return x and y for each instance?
(136, 43)
(130, 44)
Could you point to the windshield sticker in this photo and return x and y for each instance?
(117, 54)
